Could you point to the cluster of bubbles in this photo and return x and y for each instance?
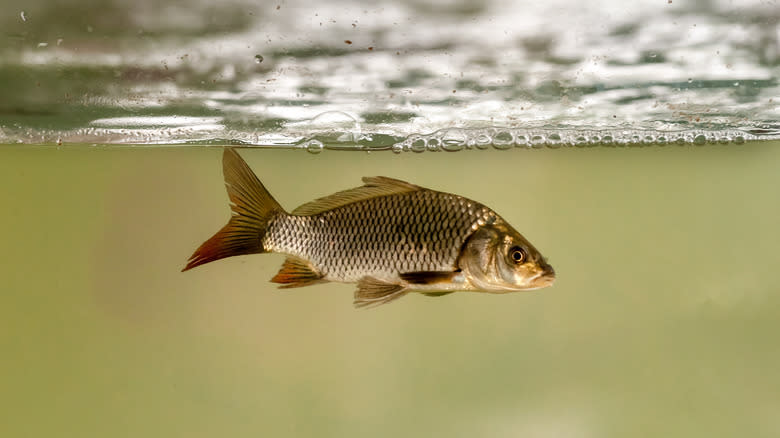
(456, 139)
(448, 140)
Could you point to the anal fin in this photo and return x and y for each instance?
(372, 292)
(296, 272)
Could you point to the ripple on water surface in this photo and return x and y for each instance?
(401, 77)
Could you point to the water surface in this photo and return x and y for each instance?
(375, 75)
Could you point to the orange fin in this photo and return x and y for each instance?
(372, 292)
(429, 277)
(296, 272)
(252, 208)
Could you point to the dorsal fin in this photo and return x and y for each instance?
(373, 186)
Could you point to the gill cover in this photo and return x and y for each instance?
(488, 264)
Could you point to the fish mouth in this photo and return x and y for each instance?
(540, 280)
(543, 279)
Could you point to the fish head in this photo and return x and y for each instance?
(498, 259)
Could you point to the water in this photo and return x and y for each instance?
(375, 75)
(665, 301)
(635, 146)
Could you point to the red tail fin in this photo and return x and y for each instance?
(252, 208)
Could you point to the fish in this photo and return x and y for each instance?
(389, 236)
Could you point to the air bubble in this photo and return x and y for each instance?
(397, 148)
(418, 145)
(739, 139)
(433, 144)
(522, 141)
(329, 119)
(538, 140)
(581, 141)
(314, 146)
(554, 140)
(503, 140)
(453, 140)
(661, 140)
(483, 141)
(258, 59)
(699, 140)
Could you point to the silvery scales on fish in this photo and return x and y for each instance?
(388, 236)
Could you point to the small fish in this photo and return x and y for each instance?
(388, 236)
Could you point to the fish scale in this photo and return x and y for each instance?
(383, 236)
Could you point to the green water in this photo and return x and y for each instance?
(662, 322)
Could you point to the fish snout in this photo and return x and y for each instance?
(545, 278)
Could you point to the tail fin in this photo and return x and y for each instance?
(252, 208)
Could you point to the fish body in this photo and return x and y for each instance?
(413, 231)
(388, 236)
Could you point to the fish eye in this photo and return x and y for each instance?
(517, 254)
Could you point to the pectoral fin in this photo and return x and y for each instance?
(372, 292)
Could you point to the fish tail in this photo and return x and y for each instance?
(253, 207)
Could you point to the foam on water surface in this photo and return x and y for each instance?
(406, 76)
